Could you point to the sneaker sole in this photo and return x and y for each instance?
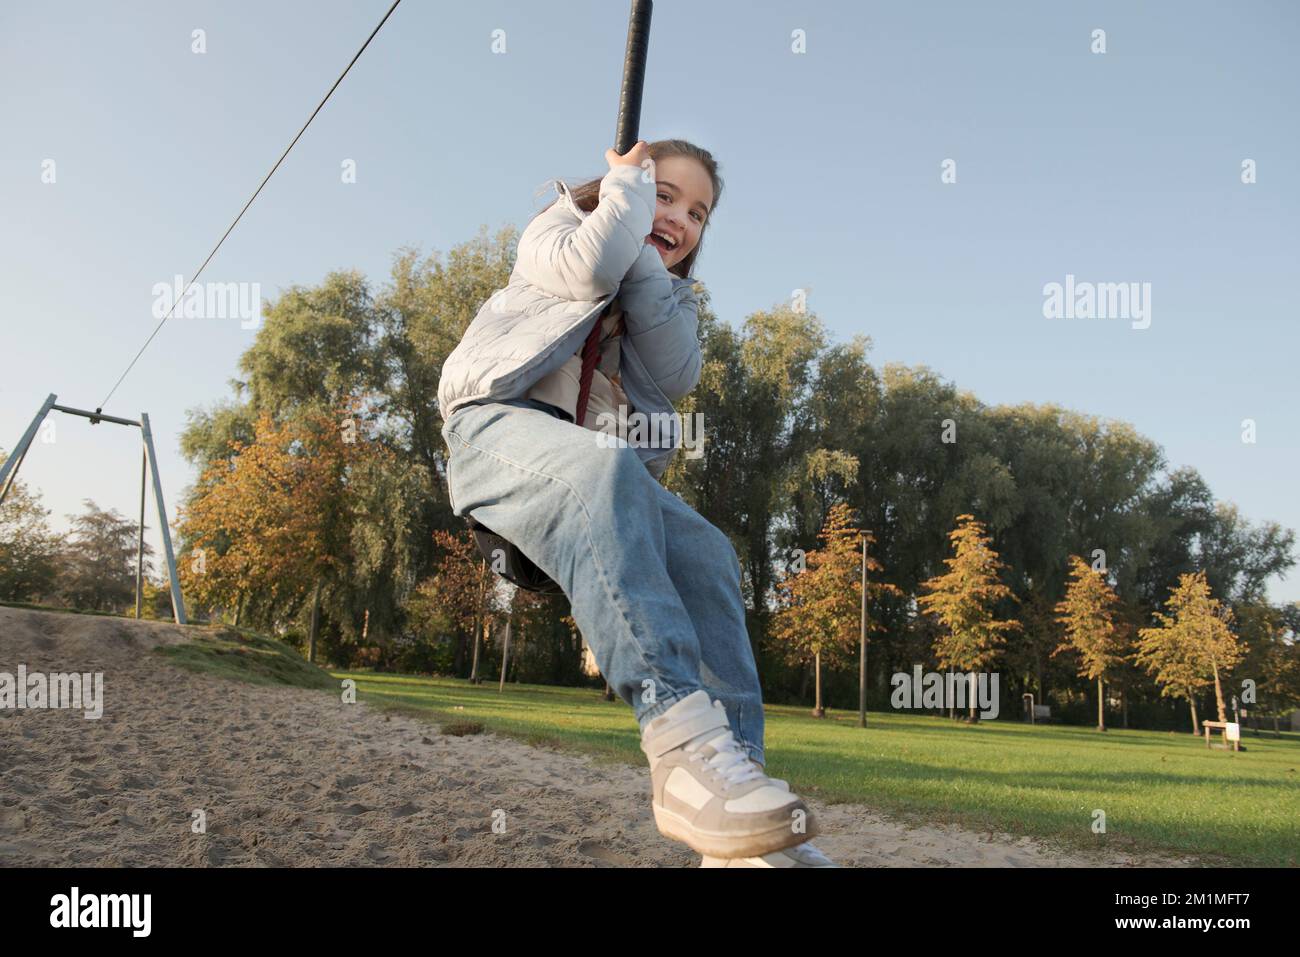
(707, 861)
(713, 844)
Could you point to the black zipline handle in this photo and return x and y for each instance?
(519, 569)
(627, 132)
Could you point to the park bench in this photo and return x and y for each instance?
(1231, 732)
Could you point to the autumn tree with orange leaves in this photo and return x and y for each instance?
(276, 519)
(1193, 646)
(820, 615)
(1094, 628)
(963, 601)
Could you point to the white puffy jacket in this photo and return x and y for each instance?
(569, 265)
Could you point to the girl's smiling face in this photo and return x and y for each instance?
(685, 196)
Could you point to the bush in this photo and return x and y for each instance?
(422, 655)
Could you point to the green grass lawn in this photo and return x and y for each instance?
(1160, 792)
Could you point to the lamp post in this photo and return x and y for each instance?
(862, 657)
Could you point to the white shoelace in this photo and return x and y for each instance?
(731, 760)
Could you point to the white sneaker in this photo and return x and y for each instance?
(706, 791)
(777, 781)
(801, 855)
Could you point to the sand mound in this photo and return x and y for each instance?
(294, 777)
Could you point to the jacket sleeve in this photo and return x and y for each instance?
(662, 318)
(585, 259)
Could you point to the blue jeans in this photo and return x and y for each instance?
(653, 586)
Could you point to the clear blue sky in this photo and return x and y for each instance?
(1122, 167)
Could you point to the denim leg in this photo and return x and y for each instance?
(703, 566)
(590, 518)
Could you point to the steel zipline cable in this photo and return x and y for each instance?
(199, 271)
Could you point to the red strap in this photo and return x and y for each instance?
(590, 356)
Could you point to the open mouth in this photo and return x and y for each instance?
(664, 244)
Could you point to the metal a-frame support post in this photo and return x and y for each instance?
(178, 604)
(9, 471)
(10, 467)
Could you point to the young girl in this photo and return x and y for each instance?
(653, 586)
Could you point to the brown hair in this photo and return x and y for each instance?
(587, 196)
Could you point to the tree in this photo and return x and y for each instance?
(315, 350)
(319, 348)
(821, 606)
(1191, 647)
(963, 600)
(29, 549)
(420, 318)
(279, 519)
(1029, 657)
(462, 588)
(156, 600)
(840, 402)
(1092, 627)
(752, 387)
(1239, 558)
(98, 566)
(545, 647)
(1272, 660)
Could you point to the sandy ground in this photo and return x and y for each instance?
(293, 777)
